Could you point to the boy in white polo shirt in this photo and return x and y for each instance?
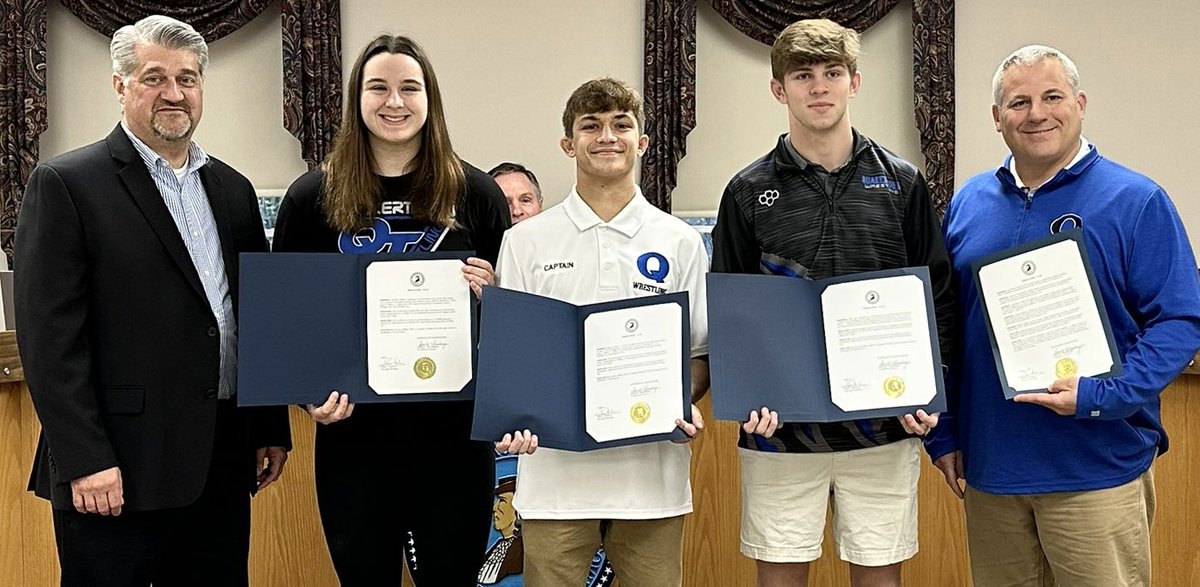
(630, 499)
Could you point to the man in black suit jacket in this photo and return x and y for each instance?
(126, 285)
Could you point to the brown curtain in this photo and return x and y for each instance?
(933, 91)
(312, 75)
(669, 71)
(213, 19)
(22, 103)
(762, 20)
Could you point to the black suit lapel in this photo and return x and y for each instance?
(143, 190)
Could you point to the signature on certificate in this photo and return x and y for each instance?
(1070, 349)
(389, 363)
(851, 385)
(893, 364)
(640, 389)
(432, 345)
(1028, 374)
(605, 413)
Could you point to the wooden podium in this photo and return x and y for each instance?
(288, 550)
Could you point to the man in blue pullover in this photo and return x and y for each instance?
(1059, 484)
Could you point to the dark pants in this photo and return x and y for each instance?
(397, 471)
(204, 543)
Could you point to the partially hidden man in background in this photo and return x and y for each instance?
(126, 287)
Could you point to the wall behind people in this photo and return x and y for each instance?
(507, 67)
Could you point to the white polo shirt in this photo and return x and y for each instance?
(568, 253)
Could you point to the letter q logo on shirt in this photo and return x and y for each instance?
(654, 266)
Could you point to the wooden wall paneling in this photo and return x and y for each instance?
(41, 556)
(288, 549)
(12, 560)
(287, 544)
(710, 546)
(1175, 535)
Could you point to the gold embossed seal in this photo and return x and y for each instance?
(1066, 368)
(424, 367)
(639, 413)
(893, 386)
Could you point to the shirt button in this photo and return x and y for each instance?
(210, 394)
(608, 266)
(212, 331)
(607, 245)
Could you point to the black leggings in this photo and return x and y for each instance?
(395, 469)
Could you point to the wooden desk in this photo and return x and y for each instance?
(287, 548)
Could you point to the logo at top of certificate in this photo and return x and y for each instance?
(631, 325)
(417, 279)
(1028, 267)
(1066, 368)
(639, 413)
(424, 368)
(893, 386)
(872, 297)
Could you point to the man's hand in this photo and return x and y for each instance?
(1060, 400)
(478, 273)
(335, 409)
(268, 463)
(520, 442)
(693, 428)
(951, 466)
(764, 425)
(919, 425)
(99, 493)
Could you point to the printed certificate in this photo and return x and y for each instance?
(1044, 315)
(632, 364)
(418, 326)
(878, 343)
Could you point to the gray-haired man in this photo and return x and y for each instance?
(126, 280)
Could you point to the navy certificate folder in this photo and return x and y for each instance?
(302, 329)
(767, 347)
(530, 373)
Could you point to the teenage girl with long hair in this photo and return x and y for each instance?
(393, 183)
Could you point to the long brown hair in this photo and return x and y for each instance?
(352, 193)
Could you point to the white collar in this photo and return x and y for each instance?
(628, 221)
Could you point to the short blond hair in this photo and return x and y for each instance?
(813, 41)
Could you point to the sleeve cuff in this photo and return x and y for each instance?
(1086, 406)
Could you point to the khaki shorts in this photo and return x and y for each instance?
(874, 491)
(643, 553)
